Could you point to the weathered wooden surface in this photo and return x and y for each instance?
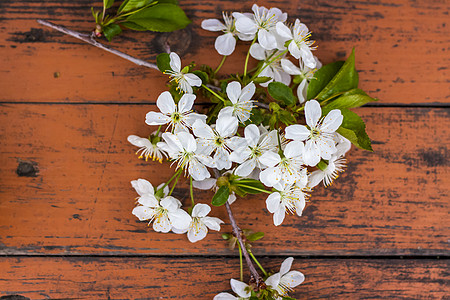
(401, 49)
(65, 164)
(162, 278)
(81, 199)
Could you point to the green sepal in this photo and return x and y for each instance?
(221, 196)
(262, 79)
(111, 31)
(255, 236)
(162, 17)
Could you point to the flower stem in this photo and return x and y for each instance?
(257, 189)
(268, 64)
(240, 262)
(220, 65)
(175, 183)
(257, 262)
(212, 92)
(192, 191)
(157, 131)
(248, 55)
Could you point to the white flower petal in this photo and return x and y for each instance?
(332, 121)
(258, 52)
(187, 140)
(297, 132)
(247, 92)
(239, 288)
(302, 90)
(233, 91)
(186, 102)
(206, 184)
(315, 178)
(165, 103)
(289, 67)
(179, 219)
(307, 56)
(245, 168)
(172, 141)
(327, 147)
(201, 210)
(148, 201)
(227, 126)
(311, 155)
(251, 133)
(224, 296)
(294, 149)
(246, 25)
(294, 50)
(193, 79)
(278, 216)
(222, 159)
(202, 130)
(197, 234)
(212, 223)
(267, 40)
(273, 202)
(225, 44)
(138, 141)
(170, 203)
(270, 176)
(231, 198)
(175, 62)
(192, 117)
(198, 171)
(269, 158)
(286, 265)
(143, 187)
(143, 213)
(284, 31)
(162, 224)
(313, 112)
(292, 279)
(213, 25)
(273, 280)
(226, 111)
(156, 118)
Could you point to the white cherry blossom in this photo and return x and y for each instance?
(165, 214)
(287, 168)
(182, 148)
(178, 117)
(243, 291)
(271, 68)
(198, 228)
(262, 23)
(241, 103)
(256, 144)
(147, 148)
(285, 280)
(299, 45)
(210, 184)
(305, 73)
(225, 43)
(288, 198)
(217, 140)
(184, 80)
(318, 135)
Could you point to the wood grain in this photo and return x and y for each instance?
(402, 49)
(188, 278)
(393, 201)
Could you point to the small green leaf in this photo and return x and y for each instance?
(111, 31)
(345, 79)
(255, 236)
(129, 5)
(280, 91)
(353, 128)
(221, 196)
(321, 78)
(351, 99)
(202, 75)
(163, 62)
(250, 186)
(286, 117)
(107, 3)
(261, 79)
(161, 17)
(133, 26)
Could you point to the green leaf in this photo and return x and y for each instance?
(261, 79)
(163, 62)
(256, 116)
(111, 31)
(129, 5)
(280, 91)
(250, 186)
(351, 99)
(321, 78)
(161, 17)
(344, 80)
(221, 196)
(133, 26)
(202, 75)
(354, 129)
(255, 236)
(107, 3)
(286, 117)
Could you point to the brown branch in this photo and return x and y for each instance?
(90, 40)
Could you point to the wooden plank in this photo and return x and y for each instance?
(392, 201)
(401, 49)
(202, 278)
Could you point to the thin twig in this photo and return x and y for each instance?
(90, 40)
(262, 105)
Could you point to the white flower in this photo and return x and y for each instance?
(241, 289)
(179, 117)
(226, 43)
(305, 73)
(262, 23)
(299, 45)
(248, 157)
(216, 140)
(165, 214)
(288, 198)
(285, 281)
(210, 184)
(242, 104)
(182, 148)
(147, 147)
(287, 168)
(272, 70)
(185, 81)
(319, 136)
(198, 228)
